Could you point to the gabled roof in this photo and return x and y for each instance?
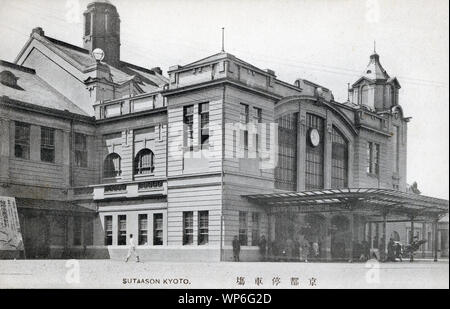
(81, 59)
(34, 90)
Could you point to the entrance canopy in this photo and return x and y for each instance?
(374, 203)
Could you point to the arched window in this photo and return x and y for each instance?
(365, 95)
(111, 165)
(339, 160)
(143, 162)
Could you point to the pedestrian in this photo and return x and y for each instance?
(236, 248)
(132, 249)
(398, 251)
(263, 247)
(304, 250)
(390, 252)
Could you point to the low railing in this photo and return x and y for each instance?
(130, 189)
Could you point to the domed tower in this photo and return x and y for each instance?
(102, 30)
(375, 90)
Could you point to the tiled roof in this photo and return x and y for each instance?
(149, 80)
(33, 90)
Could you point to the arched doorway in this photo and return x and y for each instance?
(340, 226)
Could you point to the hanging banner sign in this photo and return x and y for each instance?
(10, 235)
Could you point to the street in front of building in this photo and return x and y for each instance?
(118, 274)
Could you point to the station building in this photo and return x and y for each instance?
(95, 149)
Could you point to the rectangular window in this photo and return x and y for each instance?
(122, 233)
(257, 121)
(373, 158)
(87, 24)
(314, 173)
(47, 144)
(286, 169)
(339, 160)
(395, 147)
(376, 159)
(243, 228)
(22, 140)
(188, 228)
(203, 227)
(188, 123)
(81, 154)
(244, 119)
(77, 231)
(203, 110)
(143, 229)
(108, 230)
(244, 113)
(158, 229)
(255, 229)
(369, 157)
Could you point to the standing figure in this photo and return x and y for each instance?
(304, 249)
(263, 247)
(398, 251)
(390, 250)
(132, 249)
(236, 248)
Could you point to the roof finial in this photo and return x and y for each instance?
(223, 39)
(374, 47)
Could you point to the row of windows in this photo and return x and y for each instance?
(47, 144)
(143, 164)
(244, 228)
(286, 170)
(202, 231)
(142, 230)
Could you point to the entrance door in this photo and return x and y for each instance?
(36, 237)
(339, 234)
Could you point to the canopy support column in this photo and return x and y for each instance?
(411, 239)
(383, 238)
(352, 236)
(435, 239)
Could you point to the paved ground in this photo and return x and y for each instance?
(117, 274)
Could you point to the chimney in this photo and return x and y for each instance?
(38, 30)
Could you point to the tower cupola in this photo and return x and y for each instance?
(102, 30)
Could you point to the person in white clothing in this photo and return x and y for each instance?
(132, 249)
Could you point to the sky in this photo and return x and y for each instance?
(326, 41)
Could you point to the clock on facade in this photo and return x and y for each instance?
(314, 137)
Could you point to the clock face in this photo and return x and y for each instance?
(314, 137)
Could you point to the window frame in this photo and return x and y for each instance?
(203, 227)
(107, 173)
(81, 151)
(243, 228)
(138, 168)
(203, 112)
(142, 230)
(121, 232)
(188, 228)
(48, 144)
(24, 130)
(188, 127)
(339, 167)
(256, 228)
(158, 240)
(108, 228)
